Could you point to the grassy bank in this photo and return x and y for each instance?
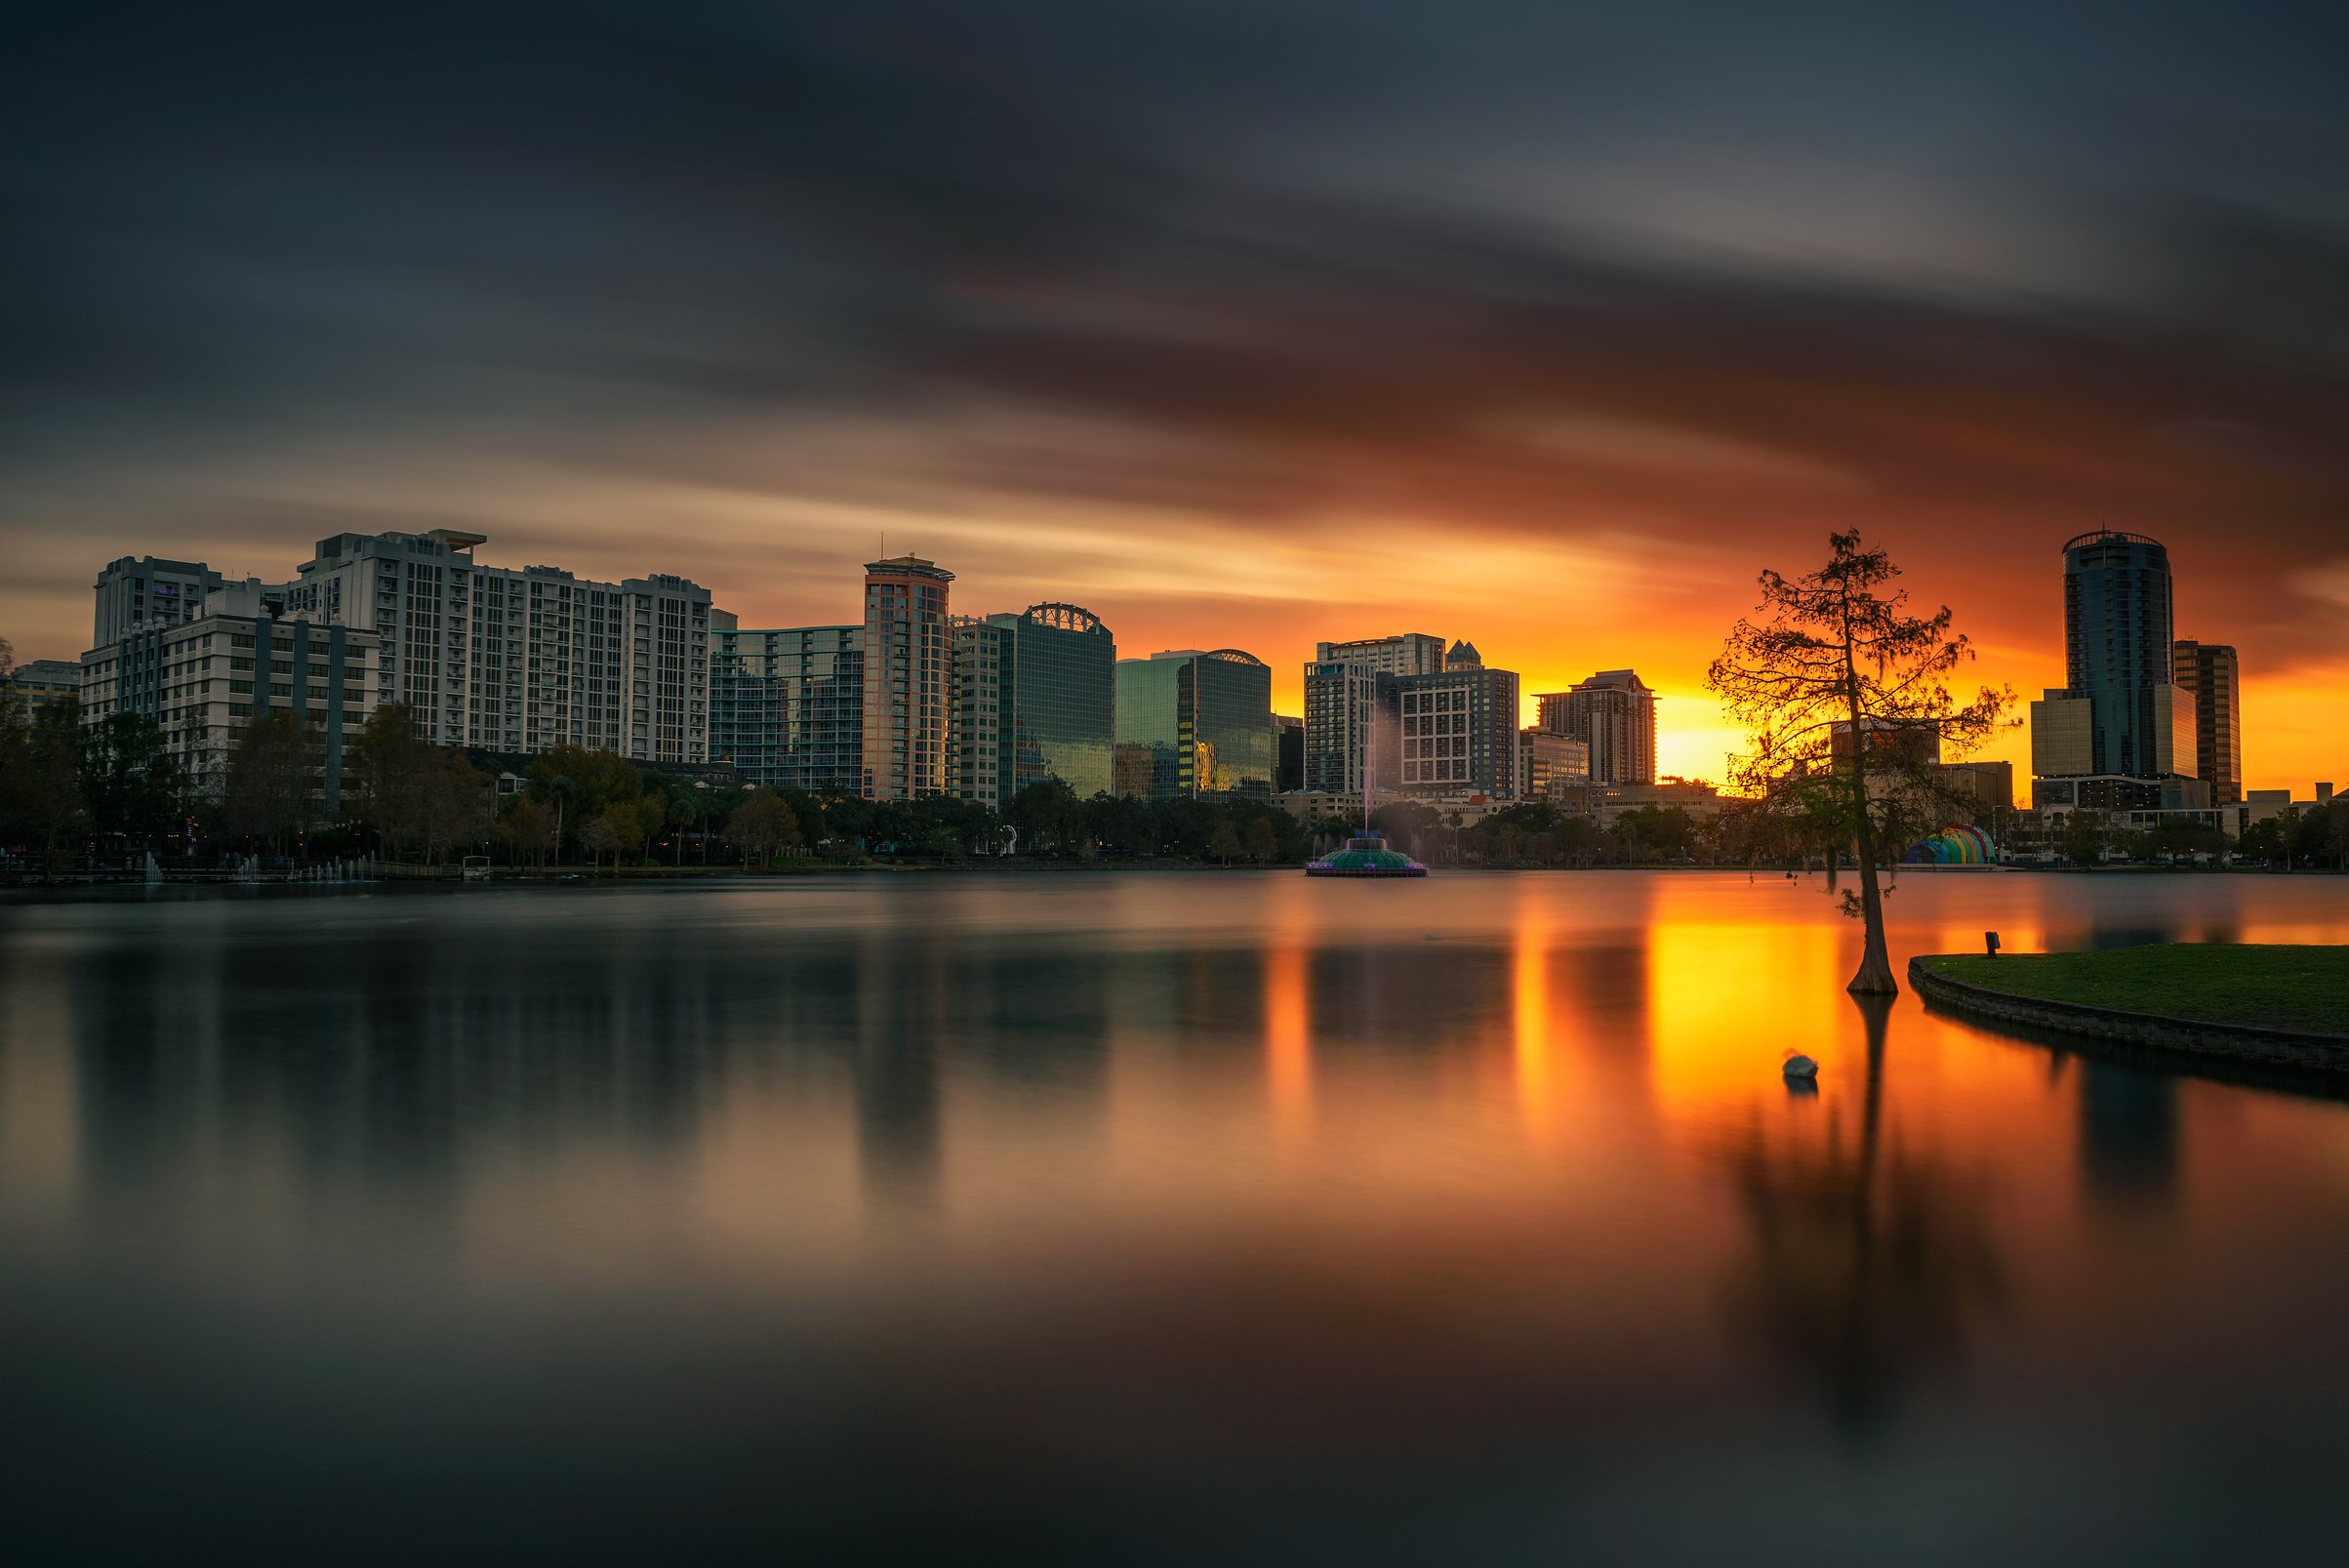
(2305, 989)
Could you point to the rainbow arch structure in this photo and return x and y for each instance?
(1953, 846)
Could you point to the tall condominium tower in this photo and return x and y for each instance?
(146, 592)
(980, 749)
(520, 659)
(787, 707)
(1459, 727)
(1193, 724)
(1352, 738)
(1409, 653)
(2210, 674)
(1353, 708)
(1615, 714)
(2117, 628)
(908, 655)
(1064, 698)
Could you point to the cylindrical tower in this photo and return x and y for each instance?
(2117, 621)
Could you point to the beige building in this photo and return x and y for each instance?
(1615, 714)
(2062, 736)
(203, 681)
(2212, 677)
(908, 668)
(1550, 766)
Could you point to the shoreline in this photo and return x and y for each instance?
(2167, 1036)
(569, 876)
(23, 881)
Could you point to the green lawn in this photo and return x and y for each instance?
(2304, 988)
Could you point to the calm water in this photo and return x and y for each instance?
(1143, 1217)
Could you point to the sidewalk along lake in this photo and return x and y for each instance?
(1143, 1218)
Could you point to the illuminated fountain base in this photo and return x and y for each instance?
(1365, 855)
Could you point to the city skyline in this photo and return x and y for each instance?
(1686, 722)
(1426, 314)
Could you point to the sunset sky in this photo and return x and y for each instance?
(1541, 325)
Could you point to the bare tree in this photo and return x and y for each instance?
(1846, 701)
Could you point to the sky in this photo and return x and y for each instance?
(1243, 324)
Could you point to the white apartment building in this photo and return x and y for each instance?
(203, 680)
(521, 660)
(1409, 653)
(979, 758)
(146, 589)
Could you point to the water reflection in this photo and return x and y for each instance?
(1868, 1263)
(1398, 1212)
(2129, 1134)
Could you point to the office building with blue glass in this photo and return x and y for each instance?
(2121, 732)
(1064, 698)
(1194, 724)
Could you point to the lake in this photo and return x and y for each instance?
(1141, 1216)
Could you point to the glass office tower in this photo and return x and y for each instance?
(787, 707)
(2117, 655)
(1193, 724)
(1064, 698)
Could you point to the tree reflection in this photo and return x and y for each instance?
(1868, 1262)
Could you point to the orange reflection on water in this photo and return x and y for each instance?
(1288, 1038)
(1531, 990)
(1731, 991)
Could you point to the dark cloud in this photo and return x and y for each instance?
(1983, 275)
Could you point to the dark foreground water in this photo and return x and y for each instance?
(1205, 1218)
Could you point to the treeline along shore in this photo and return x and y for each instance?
(95, 801)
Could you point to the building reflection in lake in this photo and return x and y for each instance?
(2128, 1133)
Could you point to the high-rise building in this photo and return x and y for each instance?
(1987, 786)
(1550, 766)
(1409, 653)
(1193, 724)
(1615, 714)
(2121, 734)
(1352, 739)
(145, 590)
(202, 681)
(1148, 761)
(1225, 724)
(2116, 617)
(909, 660)
(1459, 728)
(520, 659)
(37, 683)
(1353, 709)
(2210, 673)
(1064, 698)
(981, 750)
(1289, 774)
(2063, 736)
(787, 707)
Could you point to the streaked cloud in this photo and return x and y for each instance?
(1243, 324)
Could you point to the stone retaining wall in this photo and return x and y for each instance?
(2235, 1042)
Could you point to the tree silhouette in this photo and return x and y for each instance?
(1845, 698)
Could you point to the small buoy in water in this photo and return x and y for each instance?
(1799, 1065)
